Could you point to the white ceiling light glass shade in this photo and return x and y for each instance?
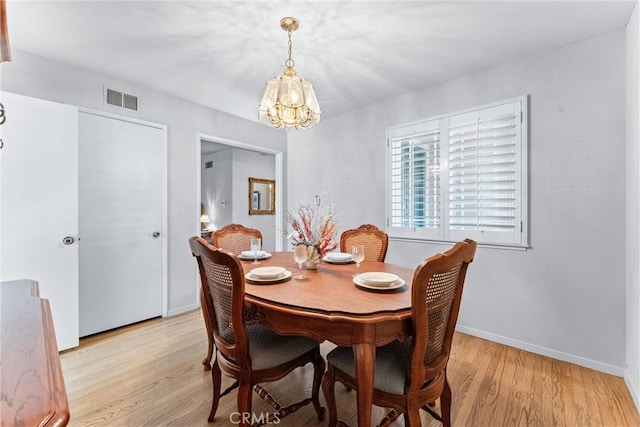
(289, 100)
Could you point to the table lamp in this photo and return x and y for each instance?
(204, 219)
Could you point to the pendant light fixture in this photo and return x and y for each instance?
(288, 100)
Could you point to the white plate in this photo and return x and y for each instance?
(264, 256)
(338, 257)
(332, 261)
(249, 254)
(267, 273)
(253, 278)
(394, 285)
(378, 278)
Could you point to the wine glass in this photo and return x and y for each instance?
(357, 253)
(256, 245)
(300, 255)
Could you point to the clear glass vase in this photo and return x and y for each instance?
(313, 258)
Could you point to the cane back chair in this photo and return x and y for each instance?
(412, 374)
(375, 241)
(246, 350)
(234, 238)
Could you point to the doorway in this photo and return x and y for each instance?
(238, 212)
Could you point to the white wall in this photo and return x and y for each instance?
(247, 164)
(217, 188)
(42, 78)
(632, 374)
(564, 297)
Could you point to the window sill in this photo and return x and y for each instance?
(451, 243)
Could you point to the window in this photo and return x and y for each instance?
(461, 175)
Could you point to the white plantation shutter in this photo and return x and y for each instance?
(484, 178)
(415, 180)
(461, 176)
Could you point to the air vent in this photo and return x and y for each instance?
(114, 97)
(130, 102)
(121, 99)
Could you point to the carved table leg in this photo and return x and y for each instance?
(364, 353)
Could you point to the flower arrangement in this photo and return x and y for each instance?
(314, 226)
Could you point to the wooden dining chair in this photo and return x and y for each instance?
(247, 350)
(412, 374)
(375, 241)
(234, 238)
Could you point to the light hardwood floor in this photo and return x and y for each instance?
(150, 374)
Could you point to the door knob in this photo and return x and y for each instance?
(156, 234)
(68, 240)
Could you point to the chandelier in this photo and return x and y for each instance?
(288, 100)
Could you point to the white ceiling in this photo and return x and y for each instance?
(221, 53)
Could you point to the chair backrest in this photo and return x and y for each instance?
(222, 278)
(375, 241)
(435, 301)
(234, 238)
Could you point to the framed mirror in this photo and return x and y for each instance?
(262, 196)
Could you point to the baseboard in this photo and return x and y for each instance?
(635, 395)
(183, 309)
(565, 357)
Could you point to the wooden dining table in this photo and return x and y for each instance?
(328, 305)
(32, 385)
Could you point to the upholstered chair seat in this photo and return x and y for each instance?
(391, 361)
(268, 349)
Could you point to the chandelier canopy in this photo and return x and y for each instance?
(289, 100)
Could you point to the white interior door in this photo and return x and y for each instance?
(120, 221)
(39, 204)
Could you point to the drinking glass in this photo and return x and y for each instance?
(300, 255)
(256, 245)
(357, 253)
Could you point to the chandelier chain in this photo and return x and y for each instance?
(289, 63)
